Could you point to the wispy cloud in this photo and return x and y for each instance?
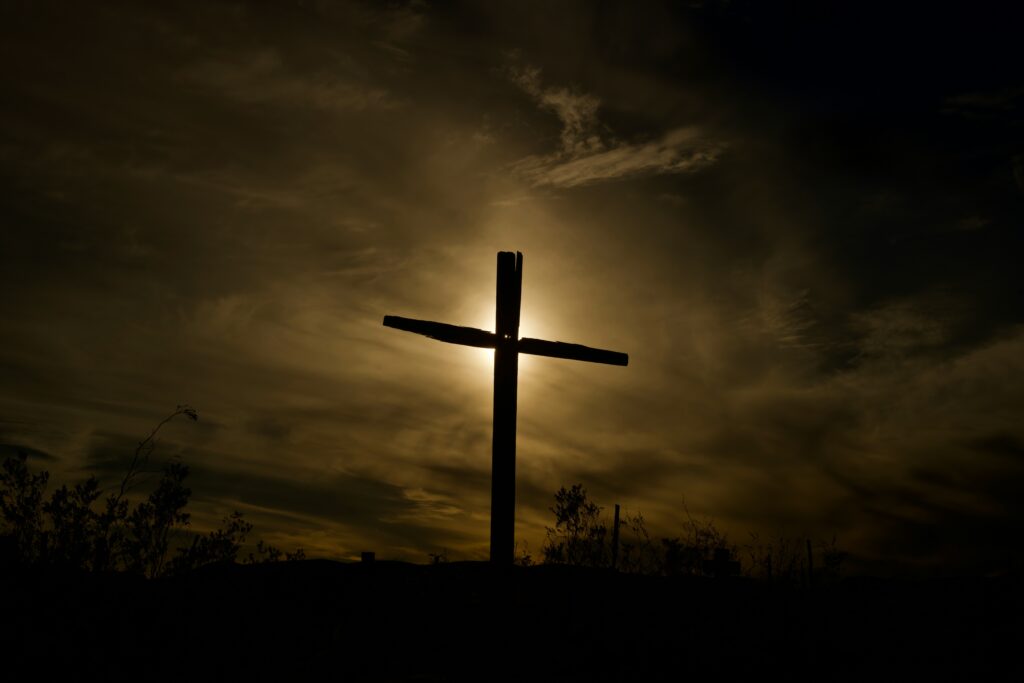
(897, 330)
(589, 153)
(678, 151)
(576, 111)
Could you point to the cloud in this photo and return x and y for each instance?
(898, 329)
(679, 151)
(588, 153)
(261, 77)
(576, 111)
(8, 450)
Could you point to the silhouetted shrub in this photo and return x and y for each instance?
(268, 553)
(637, 553)
(783, 559)
(150, 523)
(71, 538)
(521, 554)
(221, 545)
(579, 535)
(701, 550)
(67, 531)
(21, 498)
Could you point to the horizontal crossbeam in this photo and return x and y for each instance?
(453, 334)
(471, 336)
(540, 347)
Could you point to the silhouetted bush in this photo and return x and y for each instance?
(579, 535)
(638, 554)
(521, 554)
(701, 550)
(70, 539)
(21, 499)
(581, 538)
(221, 545)
(268, 553)
(150, 523)
(67, 531)
(784, 559)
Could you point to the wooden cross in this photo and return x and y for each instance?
(507, 346)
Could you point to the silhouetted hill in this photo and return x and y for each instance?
(472, 621)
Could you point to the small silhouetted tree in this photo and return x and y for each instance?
(218, 546)
(21, 499)
(579, 536)
(70, 537)
(150, 523)
(115, 548)
(700, 542)
(638, 554)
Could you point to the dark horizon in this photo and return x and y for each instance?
(803, 223)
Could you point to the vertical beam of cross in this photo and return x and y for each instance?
(503, 440)
(507, 346)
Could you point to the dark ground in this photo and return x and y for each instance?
(470, 621)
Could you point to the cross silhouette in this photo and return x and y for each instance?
(507, 346)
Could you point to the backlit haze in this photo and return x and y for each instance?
(803, 225)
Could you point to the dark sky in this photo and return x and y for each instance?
(803, 221)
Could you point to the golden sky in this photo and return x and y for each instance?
(803, 226)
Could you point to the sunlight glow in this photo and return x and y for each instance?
(478, 311)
